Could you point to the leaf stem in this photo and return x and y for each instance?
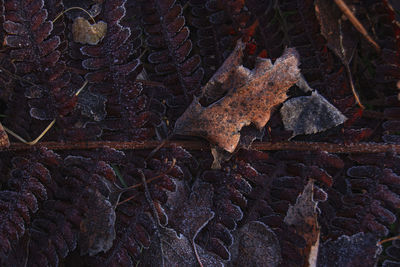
(152, 178)
(72, 8)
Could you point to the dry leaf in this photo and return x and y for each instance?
(191, 213)
(303, 216)
(223, 78)
(194, 214)
(171, 249)
(251, 97)
(4, 142)
(310, 114)
(92, 105)
(357, 251)
(97, 228)
(86, 33)
(255, 244)
(340, 34)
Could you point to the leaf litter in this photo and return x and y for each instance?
(252, 92)
(255, 244)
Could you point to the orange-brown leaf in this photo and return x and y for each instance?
(251, 97)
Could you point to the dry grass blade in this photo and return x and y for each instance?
(33, 142)
(72, 8)
(37, 139)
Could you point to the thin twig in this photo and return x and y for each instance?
(154, 151)
(82, 87)
(196, 253)
(126, 200)
(149, 199)
(202, 145)
(152, 178)
(122, 190)
(356, 23)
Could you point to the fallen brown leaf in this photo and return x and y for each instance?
(192, 214)
(86, 33)
(97, 231)
(357, 250)
(303, 216)
(169, 248)
(4, 142)
(255, 244)
(251, 97)
(340, 36)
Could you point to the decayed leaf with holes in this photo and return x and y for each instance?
(86, 33)
(4, 142)
(221, 81)
(303, 216)
(251, 97)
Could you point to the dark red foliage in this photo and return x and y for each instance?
(217, 27)
(229, 201)
(134, 227)
(61, 209)
(73, 191)
(280, 178)
(26, 190)
(171, 59)
(363, 198)
(34, 49)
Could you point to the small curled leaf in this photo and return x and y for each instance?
(86, 33)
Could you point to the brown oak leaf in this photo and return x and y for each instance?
(251, 96)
